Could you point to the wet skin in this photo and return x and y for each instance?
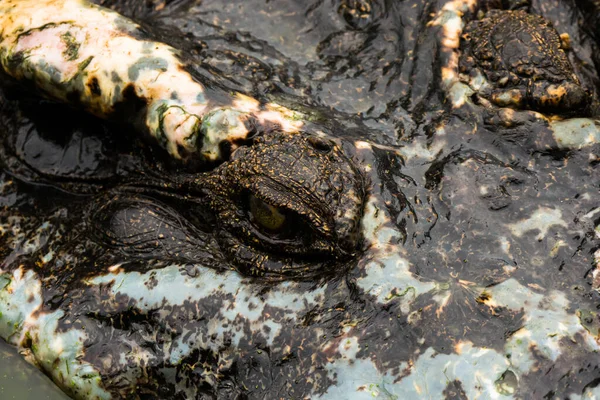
(520, 55)
(450, 255)
(284, 207)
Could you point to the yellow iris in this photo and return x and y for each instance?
(266, 215)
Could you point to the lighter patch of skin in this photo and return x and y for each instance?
(245, 103)
(388, 273)
(239, 300)
(556, 91)
(286, 119)
(15, 290)
(596, 273)
(557, 246)
(421, 150)
(20, 299)
(508, 98)
(106, 52)
(450, 19)
(180, 123)
(459, 94)
(389, 278)
(376, 225)
(476, 368)
(541, 220)
(206, 283)
(220, 125)
(37, 45)
(111, 50)
(589, 394)
(479, 82)
(59, 354)
(575, 133)
(357, 379)
(590, 215)
(547, 322)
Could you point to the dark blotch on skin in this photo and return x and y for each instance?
(129, 108)
(72, 51)
(152, 63)
(94, 86)
(455, 391)
(116, 94)
(16, 60)
(115, 78)
(129, 28)
(84, 64)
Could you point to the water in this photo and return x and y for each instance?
(21, 381)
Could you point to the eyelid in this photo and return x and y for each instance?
(270, 191)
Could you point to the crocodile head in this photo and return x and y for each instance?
(287, 206)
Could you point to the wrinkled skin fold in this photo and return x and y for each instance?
(407, 242)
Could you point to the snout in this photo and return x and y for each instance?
(560, 98)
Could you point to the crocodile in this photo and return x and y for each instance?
(363, 223)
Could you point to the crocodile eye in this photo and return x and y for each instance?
(285, 206)
(265, 215)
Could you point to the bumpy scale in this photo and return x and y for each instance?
(283, 200)
(515, 59)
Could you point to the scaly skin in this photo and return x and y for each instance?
(317, 189)
(83, 54)
(470, 277)
(309, 179)
(520, 56)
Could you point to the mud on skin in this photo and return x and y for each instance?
(468, 262)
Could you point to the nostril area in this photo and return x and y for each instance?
(320, 144)
(577, 96)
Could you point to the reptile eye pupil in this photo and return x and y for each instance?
(265, 215)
